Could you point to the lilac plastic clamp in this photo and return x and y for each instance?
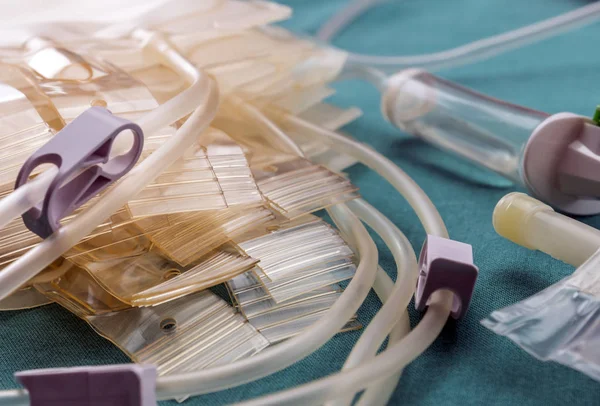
(82, 145)
(109, 385)
(446, 264)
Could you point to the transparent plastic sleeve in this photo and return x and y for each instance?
(488, 131)
(561, 323)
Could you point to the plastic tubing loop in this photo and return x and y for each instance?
(388, 316)
(483, 48)
(398, 331)
(344, 17)
(186, 382)
(296, 348)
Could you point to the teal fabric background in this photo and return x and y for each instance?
(468, 364)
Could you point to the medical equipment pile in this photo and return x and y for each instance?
(150, 157)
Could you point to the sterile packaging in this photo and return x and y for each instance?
(561, 323)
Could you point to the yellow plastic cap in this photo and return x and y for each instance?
(512, 213)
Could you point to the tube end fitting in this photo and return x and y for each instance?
(561, 161)
(399, 106)
(512, 213)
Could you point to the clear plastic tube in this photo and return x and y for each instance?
(386, 364)
(344, 17)
(25, 197)
(388, 316)
(483, 48)
(491, 132)
(202, 92)
(379, 393)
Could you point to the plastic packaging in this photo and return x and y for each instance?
(187, 334)
(560, 323)
(300, 264)
(25, 298)
(146, 279)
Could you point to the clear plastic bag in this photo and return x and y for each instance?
(560, 323)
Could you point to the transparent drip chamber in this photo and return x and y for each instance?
(555, 157)
(487, 131)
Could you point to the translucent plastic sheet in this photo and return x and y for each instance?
(561, 323)
(201, 232)
(279, 321)
(77, 291)
(304, 256)
(204, 19)
(298, 187)
(25, 298)
(301, 265)
(187, 334)
(147, 279)
(211, 177)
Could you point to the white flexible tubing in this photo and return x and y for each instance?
(386, 364)
(203, 89)
(25, 197)
(380, 392)
(269, 128)
(483, 48)
(408, 188)
(33, 192)
(285, 354)
(389, 315)
(383, 286)
(345, 16)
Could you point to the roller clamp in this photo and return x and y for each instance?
(81, 152)
(110, 385)
(446, 265)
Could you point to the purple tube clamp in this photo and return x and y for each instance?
(110, 385)
(448, 265)
(81, 146)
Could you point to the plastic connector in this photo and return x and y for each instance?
(579, 171)
(534, 225)
(445, 264)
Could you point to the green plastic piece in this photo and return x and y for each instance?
(596, 118)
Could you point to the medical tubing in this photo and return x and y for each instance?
(268, 128)
(486, 47)
(380, 392)
(25, 197)
(391, 312)
(36, 259)
(14, 397)
(386, 364)
(408, 188)
(298, 347)
(383, 285)
(345, 16)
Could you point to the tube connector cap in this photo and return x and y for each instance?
(512, 213)
(579, 171)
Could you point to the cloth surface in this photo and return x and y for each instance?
(467, 365)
